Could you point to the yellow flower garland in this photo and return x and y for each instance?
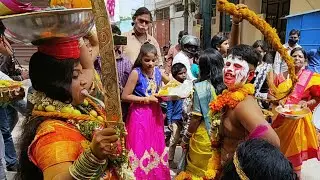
(228, 99)
(269, 33)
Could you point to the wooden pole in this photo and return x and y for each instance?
(108, 62)
(186, 15)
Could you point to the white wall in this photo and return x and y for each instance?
(177, 24)
(299, 6)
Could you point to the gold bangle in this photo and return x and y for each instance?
(86, 165)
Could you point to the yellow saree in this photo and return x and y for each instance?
(299, 141)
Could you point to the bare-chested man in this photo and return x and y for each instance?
(239, 122)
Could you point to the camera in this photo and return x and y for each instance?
(119, 40)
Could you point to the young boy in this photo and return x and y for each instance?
(175, 113)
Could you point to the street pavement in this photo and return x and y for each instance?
(310, 168)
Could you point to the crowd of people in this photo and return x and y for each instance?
(222, 126)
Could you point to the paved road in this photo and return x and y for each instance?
(310, 169)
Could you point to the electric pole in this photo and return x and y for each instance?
(206, 9)
(186, 15)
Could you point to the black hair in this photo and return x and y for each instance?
(141, 11)
(217, 40)
(262, 44)
(182, 33)
(145, 49)
(27, 169)
(176, 68)
(211, 64)
(248, 53)
(299, 49)
(54, 78)
(294, 31)
(260, 160)
(2, 28)
(115, 29)
(268, 58)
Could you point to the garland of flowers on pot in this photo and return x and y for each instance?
(226, 100)
(269, 33)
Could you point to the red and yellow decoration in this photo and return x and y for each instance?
(269, 33)
(228, 99)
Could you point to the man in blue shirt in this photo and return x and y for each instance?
(174, 113)
(314, 60)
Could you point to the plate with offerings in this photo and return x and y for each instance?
(10, 91)
(174, 90)
(293, 111)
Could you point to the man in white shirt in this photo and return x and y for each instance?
(279, 65)
(190, 51)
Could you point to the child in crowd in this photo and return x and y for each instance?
(174, 113)
(145, 123)
(256, 159)
(195, 69)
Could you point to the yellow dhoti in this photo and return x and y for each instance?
(199, 152)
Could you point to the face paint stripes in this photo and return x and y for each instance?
(235, 71)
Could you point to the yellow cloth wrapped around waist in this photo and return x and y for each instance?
(199, 152)
(298, 139)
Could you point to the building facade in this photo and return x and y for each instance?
(273, 11)
(169, 19)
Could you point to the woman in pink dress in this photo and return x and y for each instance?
(145, 122)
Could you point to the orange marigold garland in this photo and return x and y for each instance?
(183, 176)
(269, 33)
(228, 99)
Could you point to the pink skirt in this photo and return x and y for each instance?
(146, 143)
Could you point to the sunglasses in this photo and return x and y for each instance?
(141, 21)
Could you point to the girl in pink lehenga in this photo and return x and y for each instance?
(145, 121)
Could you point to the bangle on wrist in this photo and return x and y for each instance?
(86, 165)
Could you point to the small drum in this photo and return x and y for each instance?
(316, 117)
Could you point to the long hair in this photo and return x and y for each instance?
(211, 64)
(54, 78)
(2, 28)
(217, 40)
(261, 160)
(262, 44)
(144, 50)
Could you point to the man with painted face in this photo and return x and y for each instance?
(190, 46)
(239, 123)
(279, 65)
